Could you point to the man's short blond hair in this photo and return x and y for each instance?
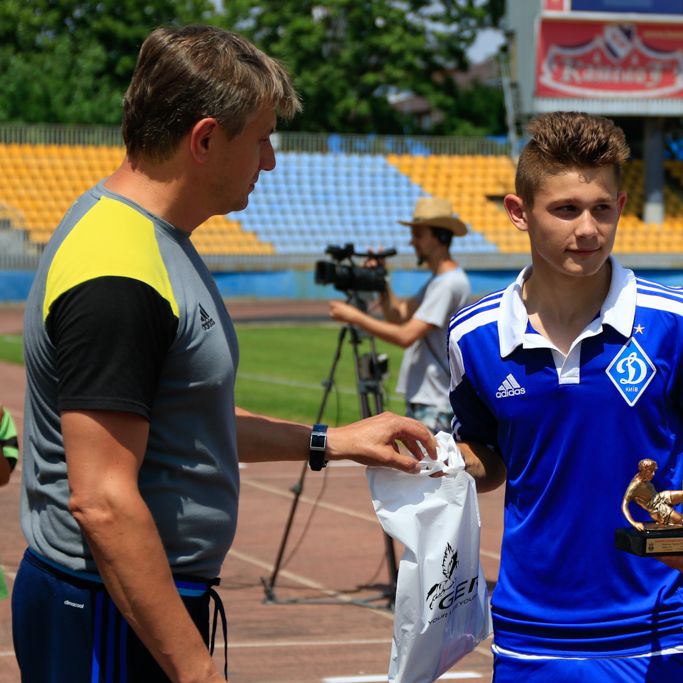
(565, 141)
(185, 74)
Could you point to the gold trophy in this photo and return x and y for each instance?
(662, 536)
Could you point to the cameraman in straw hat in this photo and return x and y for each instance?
(419, 323)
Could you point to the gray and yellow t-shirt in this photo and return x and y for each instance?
(124, 316)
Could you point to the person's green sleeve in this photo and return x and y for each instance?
(9, 442)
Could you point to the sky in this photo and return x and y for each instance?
(486, 44)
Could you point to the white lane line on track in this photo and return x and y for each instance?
(334, 508)
(327, 644)
(313, 643)
(250, 559)
(309, 583)
(244, 557)
(268, 379)
(456, 676)
(305, 499)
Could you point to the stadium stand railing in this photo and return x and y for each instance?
(328, 189)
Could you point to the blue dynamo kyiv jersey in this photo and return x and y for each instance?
(571, 432)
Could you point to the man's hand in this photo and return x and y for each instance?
(375, 259)
(373, 441)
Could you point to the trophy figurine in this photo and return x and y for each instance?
(662, 536)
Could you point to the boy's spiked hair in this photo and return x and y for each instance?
(563, 141)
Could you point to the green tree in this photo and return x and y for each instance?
(350, 57)
(479, 110)
(69, 61)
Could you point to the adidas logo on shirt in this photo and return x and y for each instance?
(510, 387)
(207, 321)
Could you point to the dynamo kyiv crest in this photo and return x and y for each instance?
(631, 371)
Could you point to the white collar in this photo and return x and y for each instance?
(618, 309)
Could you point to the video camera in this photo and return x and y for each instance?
(349, 277)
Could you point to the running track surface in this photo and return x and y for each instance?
(335, 551)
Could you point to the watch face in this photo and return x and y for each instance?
(318, 441)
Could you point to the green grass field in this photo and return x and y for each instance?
(11, 349)
(282, 370)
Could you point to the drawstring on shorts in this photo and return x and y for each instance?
(218, 609)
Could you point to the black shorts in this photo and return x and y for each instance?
(68, 629)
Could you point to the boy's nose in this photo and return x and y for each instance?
(586, 225)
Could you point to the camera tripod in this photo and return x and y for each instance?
(368, 369)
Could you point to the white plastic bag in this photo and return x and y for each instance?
(442, 609)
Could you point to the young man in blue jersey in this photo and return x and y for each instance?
(560, 384)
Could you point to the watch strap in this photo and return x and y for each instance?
(317, 449)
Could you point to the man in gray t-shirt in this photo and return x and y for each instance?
(132, 436)
(419, 324)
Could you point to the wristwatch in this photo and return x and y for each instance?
(318, 447)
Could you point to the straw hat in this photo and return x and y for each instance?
(437, 213)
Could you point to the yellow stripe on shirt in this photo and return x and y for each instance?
(111, 240)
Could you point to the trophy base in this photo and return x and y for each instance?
(652, 541)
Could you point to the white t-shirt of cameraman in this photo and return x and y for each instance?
(423, 377)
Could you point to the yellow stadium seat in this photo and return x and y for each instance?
(39, 183)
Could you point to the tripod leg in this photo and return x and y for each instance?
(269, 584)
(297, 489)
(372, 385)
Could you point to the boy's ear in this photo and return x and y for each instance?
(514, 205)
(621, 201)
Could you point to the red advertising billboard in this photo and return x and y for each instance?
(589, 59)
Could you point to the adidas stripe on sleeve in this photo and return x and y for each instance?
(472, 420)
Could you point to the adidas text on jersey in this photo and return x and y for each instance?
(510, 387)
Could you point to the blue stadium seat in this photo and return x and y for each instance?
(316, 199)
